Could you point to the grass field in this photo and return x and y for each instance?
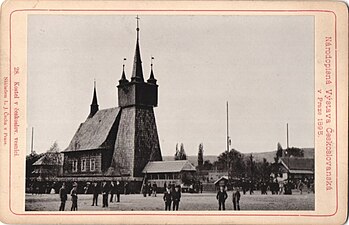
(204, 201)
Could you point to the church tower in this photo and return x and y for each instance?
(137, 140)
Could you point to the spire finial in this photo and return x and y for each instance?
(151, 62)
(123, 65)
(137, 29)
(94, 83)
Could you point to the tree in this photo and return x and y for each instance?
(182, 154)
(54, 147)
(251, 165)
(53, 156)
(294, 152)
(176, 157)
(263, 170)
(278, 152)
(30, 159)
(201, 155)
(207, 165)
(231, 161)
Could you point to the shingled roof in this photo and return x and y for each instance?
(94, 131)
(294, 164)
(168, 166)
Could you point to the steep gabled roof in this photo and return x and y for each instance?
(298, 163)
(168, 166)
(94, 131)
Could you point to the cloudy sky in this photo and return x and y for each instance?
(262, 65)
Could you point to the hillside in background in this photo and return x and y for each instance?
(258, 156)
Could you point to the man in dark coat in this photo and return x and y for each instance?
(236, 198)
(221, 197)
(105, 192)
(95, 192)
(118, 190)
(176, 197)
(168, 199)
(74, 198)
(63, 195)
(155, 187)
(112, 191)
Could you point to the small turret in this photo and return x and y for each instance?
(151, 79)
(94, 105)
(123, 79)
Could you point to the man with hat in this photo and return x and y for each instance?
(74, 197)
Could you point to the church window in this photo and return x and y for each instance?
(75, 166)
(83, 165)
(92, 165)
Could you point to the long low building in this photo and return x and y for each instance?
(176, 172)
(296, 168)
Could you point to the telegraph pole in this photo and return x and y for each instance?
(32, 144)
(287, 135)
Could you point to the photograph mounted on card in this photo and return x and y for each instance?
(201, 112)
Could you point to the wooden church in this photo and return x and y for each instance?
(117, 143)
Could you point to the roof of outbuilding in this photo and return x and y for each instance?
(94, 131)
(168, 166)
(298, 163)
(49, 159)
(221, 178)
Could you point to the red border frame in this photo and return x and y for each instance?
(166, 214)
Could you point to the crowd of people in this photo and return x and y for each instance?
(111, 192)
(106, 189)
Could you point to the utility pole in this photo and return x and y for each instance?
(32, 144)
(228, 138)
(287, 135)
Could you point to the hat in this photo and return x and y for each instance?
(75, 184)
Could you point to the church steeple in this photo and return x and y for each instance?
(136, 92)
(137, 72)
(151, 79)
(94, 105)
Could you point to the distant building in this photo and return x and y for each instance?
(47, 167)
(296, 168)
(170, 172)
(222, 181)
(215, 175)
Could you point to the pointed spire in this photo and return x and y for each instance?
(151, 79)
(137, 72)
(123, 79)
(94, 105)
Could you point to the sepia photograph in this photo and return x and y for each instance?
(170, 112)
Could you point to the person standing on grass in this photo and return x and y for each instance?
(74, 198)
(112, 191)
(168, 199)
(63, 196)
(150, 190)
(155, 187)
(118, 191)
(176, 197)
(95, 192)
(221, 197)
(236, 198)
(105, 192)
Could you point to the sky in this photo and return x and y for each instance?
(262, 65)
